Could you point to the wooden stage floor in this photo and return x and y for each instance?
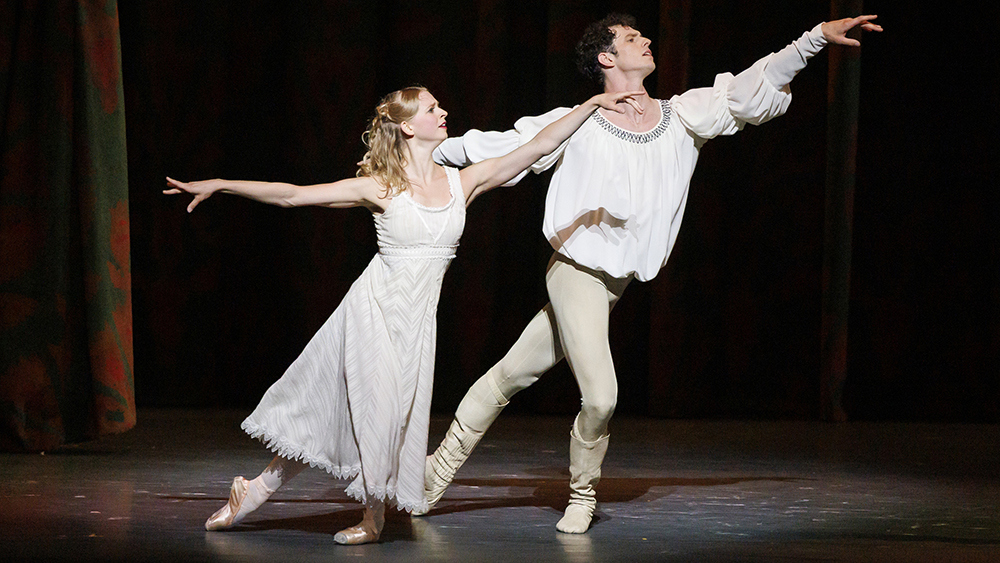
(671, 491)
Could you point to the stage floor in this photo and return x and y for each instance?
(671, 491)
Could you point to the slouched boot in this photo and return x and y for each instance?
(585, 460)
(477, 411)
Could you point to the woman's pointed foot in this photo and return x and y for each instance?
(357, 535)
(229, 515)
(368, 530)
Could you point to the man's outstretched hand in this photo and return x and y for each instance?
(836, 31)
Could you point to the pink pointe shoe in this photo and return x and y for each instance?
(367, 531)
(229, 515)
(356, 535)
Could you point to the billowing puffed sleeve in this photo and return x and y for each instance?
(756, 95)
(786, 63)
(528, 127)
(476, 146)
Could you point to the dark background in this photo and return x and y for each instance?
(224, 299)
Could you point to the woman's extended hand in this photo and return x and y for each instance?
(200, 190)
(615, 101)
(836, 31)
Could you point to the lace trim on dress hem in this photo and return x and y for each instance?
(631, 136)
(288, 450)
(384, 494)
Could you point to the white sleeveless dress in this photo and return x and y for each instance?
(356, 402)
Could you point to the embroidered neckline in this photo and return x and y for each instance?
(632, 136)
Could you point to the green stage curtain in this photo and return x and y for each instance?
(65, 278)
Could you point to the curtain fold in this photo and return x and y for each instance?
(65, 275)
(843, 99)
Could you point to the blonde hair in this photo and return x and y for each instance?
(387, 150)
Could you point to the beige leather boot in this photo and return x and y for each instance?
(585, 471)
(477, 411)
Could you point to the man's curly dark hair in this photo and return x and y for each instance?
(598, 38)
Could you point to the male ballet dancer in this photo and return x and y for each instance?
(612, 213)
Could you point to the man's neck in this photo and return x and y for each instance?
(623, 84)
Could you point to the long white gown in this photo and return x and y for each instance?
(356, 402)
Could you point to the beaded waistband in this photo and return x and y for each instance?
(421, 252)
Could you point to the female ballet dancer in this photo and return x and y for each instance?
(356, 402)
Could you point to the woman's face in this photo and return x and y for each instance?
(429, 121)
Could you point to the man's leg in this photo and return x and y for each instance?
(581, 301)
(535, 351)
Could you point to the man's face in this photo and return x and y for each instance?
(633, 50)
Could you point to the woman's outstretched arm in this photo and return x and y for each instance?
(352, 192)
(490, 173)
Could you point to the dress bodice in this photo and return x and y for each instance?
(409, 229)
